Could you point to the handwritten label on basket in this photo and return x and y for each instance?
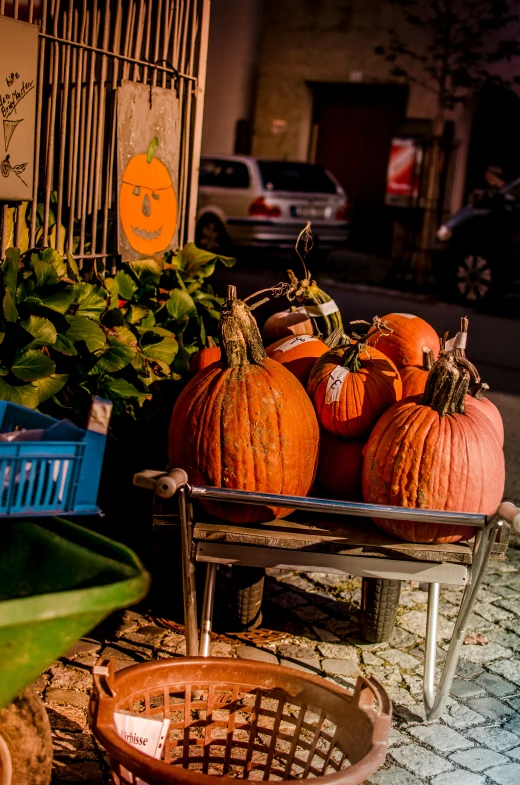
(322, 309)
(144, 733)
(296, 340)
(335, 384)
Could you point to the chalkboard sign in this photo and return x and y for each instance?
(18, 76)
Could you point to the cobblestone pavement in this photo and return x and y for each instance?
(477, 741)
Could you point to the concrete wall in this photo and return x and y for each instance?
(232, 57)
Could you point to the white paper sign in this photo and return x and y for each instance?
(296, 340)
(335, 384)
(144, 733)
(322, 309)
(18, 76)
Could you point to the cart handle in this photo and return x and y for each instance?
(164, 484)
(511, 514)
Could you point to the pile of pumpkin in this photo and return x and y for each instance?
(391, 415)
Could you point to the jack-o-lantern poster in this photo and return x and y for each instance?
(147, 170)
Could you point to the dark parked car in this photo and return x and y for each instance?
(482, 259)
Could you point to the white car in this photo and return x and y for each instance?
(246, 201)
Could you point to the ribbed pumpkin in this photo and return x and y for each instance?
(340, 466)
(351, 386)
(319, 305)
(294, 321)
(488, 408)
(204, 357)
(414, 378)
(409, 337)
(298, 354)
(436, 453)
(245, 422)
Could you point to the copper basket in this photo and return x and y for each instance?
(241, 719)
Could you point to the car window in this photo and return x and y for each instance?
(286, 176)
(223, 174)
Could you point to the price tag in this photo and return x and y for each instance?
(144, 733)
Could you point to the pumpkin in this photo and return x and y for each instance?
(414, 378)
(319, 305)
(298, 354)
(488, 408)
(340, 466)
(206, 356)
(436, 452)
(245, 422)
(351, 386)
(147, 203)
(406, 343)
(291, 322)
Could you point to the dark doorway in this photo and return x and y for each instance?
(495, 137)
(354, 126)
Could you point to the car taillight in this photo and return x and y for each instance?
(343, 213)
(260, 208)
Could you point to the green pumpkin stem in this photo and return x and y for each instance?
(447, 385)
(152, 147)
(240, 339)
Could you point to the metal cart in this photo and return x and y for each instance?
(349, 544)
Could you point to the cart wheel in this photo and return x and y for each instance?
(246, 597)
(379, 604)
(25, 742)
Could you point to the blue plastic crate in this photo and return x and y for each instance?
(48, 477)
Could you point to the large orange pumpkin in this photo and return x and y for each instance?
(245, 422)
(294, 321)
(298, 353)
(147, 203)
(340, 466)
(488, 408)
(435, 452)
(204, 357)
(409, 337)
(414, 378)
(351, 386)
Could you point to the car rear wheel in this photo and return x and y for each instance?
(475, 278)
(211, 235)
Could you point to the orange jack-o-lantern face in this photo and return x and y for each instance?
(147, 203)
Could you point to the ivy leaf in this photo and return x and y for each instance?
(73, 266)
(127, 285)
(115, 358)
(10, 309)
(31, 365)
(120, 388)
(136, 313)
(64, 345)
(181, 304)
(164, 350)
(24, 394)
(45, 273)
(60, 301)
(147, 271)
(191, 259)
(112, 288)
(90, 300)
(50, 386)
(84, 329)
(57, 261)
(10, 269)
(42, 330)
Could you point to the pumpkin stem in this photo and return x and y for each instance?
(337, 338)
(428, 359)
(459, 349)
(478, 393)
(447, 385)
(240, 339)
(308, 244)
(351, 357)
(152, 147)
(210, 343)
(275, 291)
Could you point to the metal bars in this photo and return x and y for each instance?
(87, 47)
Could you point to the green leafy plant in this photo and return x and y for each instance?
(128, 338)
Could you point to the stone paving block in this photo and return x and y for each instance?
(415, 622)
(293, 650)
(443, 740)
(310, 614)
(338, 651)
(495, 685)
(513, 725)
(67, 698)
(298, 582)
(73, 745)
(330, 580)
(460, 717)
(251, 653)
(77, 771)
(496, 739)
(514, 703)
(505, 775)
(401, 638)
(420, 762)
(481, 655)
(467, 670)
(288, 600)
(123, 651)
(478, 759)
(324, 635)
(509, 669)
(508, 639)
(465, 690)
(368, 658)
(400, 658)
(387, 675)
(340, 667)
(514, 753)
(490, 707)
(458, 777)
(394, 776)
(492, 612)
(82, 648)
(512, 605)
(396, 738)
(506, 591)
(310, 665)
(70, 678)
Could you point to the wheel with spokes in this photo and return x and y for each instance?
(211, 235)
(475, 278)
